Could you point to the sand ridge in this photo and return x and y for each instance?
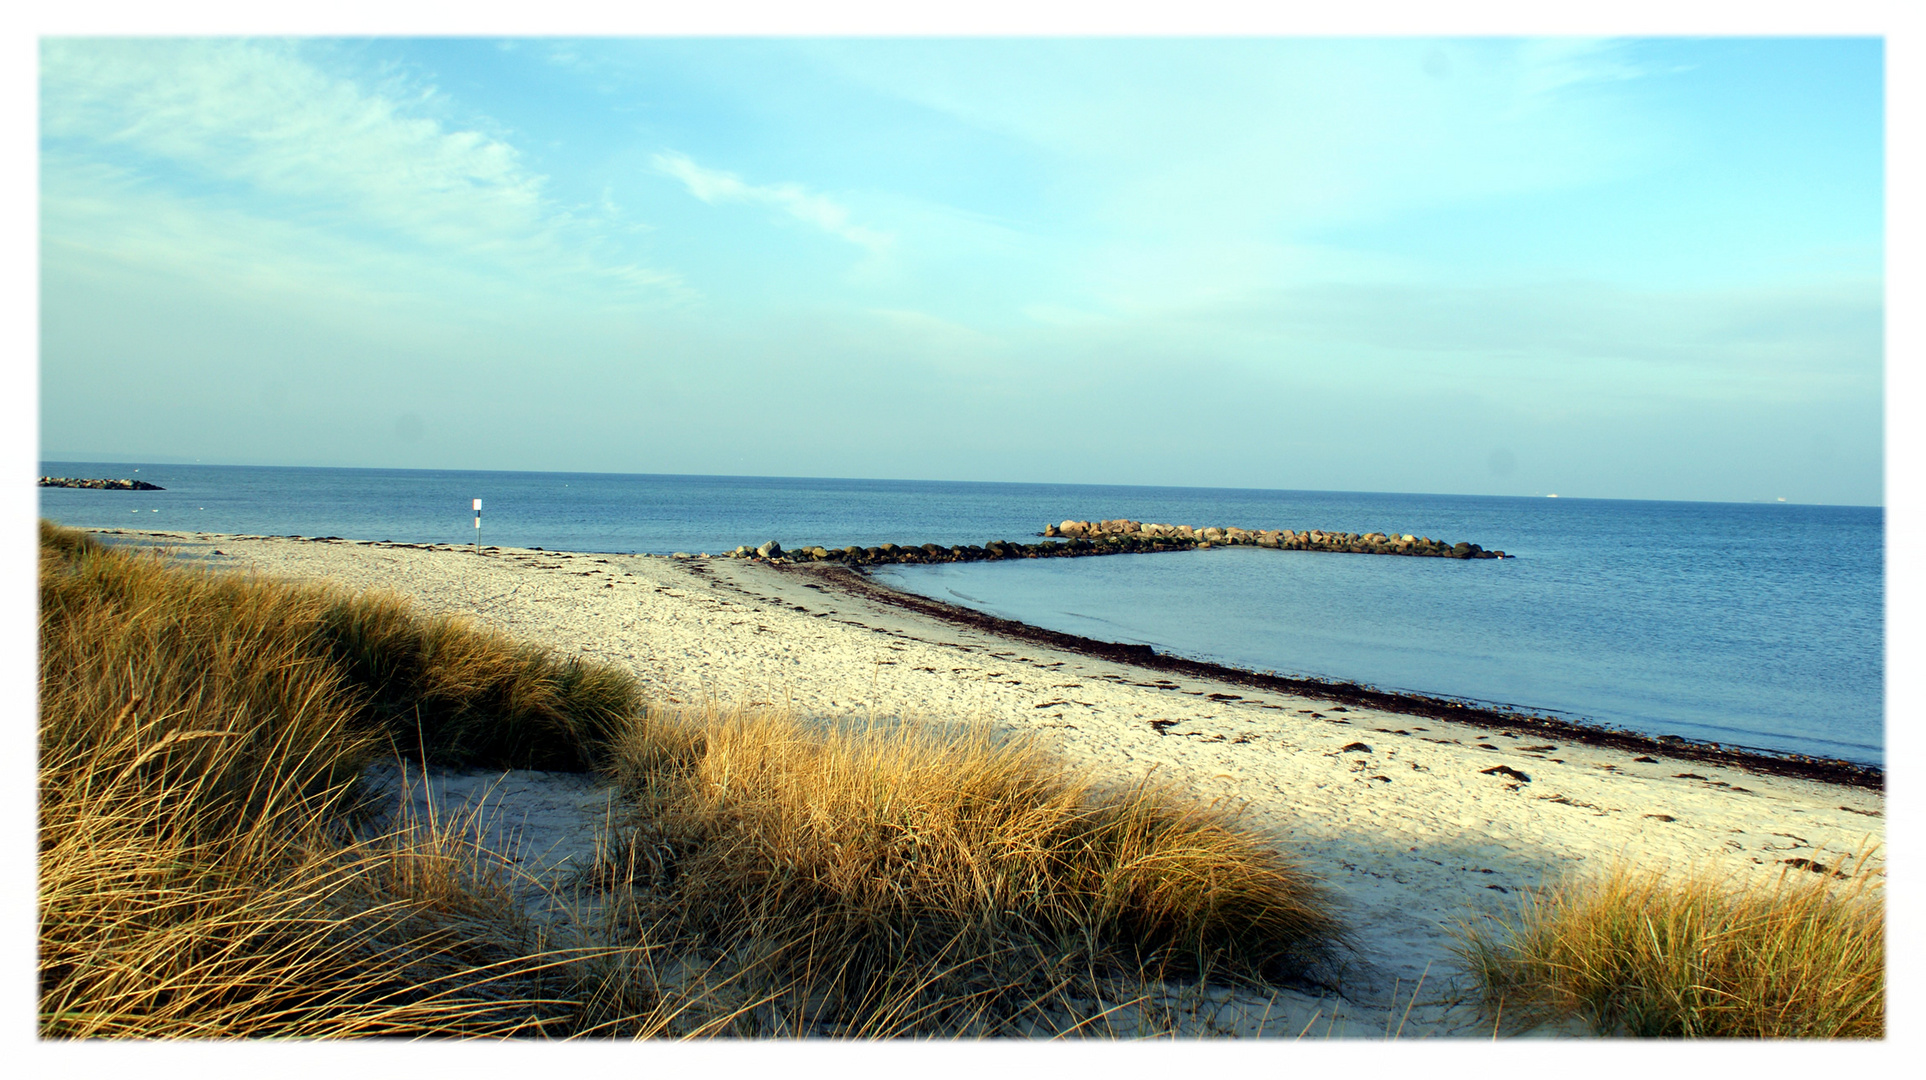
(1415, 823)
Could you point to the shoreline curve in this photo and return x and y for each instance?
(1752, 759)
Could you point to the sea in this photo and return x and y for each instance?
(1751, 625)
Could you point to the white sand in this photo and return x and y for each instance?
(1411, 835)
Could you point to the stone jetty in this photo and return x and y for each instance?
(103, 485)
(1079, 538)
(1376, 543)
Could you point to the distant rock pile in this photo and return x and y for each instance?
(1377, 543)
(1118, 537)
(103, 485)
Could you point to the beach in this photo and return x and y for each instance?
(1415, 823)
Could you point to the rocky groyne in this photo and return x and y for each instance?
(1081, 538)
(102, 485)
(1125, 531)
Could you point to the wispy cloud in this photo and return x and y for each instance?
(254, 125)
(1242, 138)
(715, 186)
(1548, 65)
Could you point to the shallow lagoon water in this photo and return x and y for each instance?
(1517, 633)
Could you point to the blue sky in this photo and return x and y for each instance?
(1612, 268)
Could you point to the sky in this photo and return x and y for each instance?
(1617, 268)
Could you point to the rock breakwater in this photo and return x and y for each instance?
(1082, 538)
(103, 485)
(1375, 543)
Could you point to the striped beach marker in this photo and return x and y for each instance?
(478, 526)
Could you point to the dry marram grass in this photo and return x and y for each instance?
(199, 749)
(973, 884)
(1642, 952)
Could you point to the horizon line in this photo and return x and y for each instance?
(1774, 501)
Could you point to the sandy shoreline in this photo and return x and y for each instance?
(1416, 822)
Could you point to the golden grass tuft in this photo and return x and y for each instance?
(971, 882)
(468, 695)
(279, 930)
(199, 751)
(1645, 953)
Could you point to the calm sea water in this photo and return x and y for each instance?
(1760, 625)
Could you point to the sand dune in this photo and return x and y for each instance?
(1416, 823)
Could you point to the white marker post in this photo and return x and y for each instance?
(478, 526)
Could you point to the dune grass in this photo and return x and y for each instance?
(202, 872)
(200, 743)
(277, 929)
(972, 883)
(1645, 953)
